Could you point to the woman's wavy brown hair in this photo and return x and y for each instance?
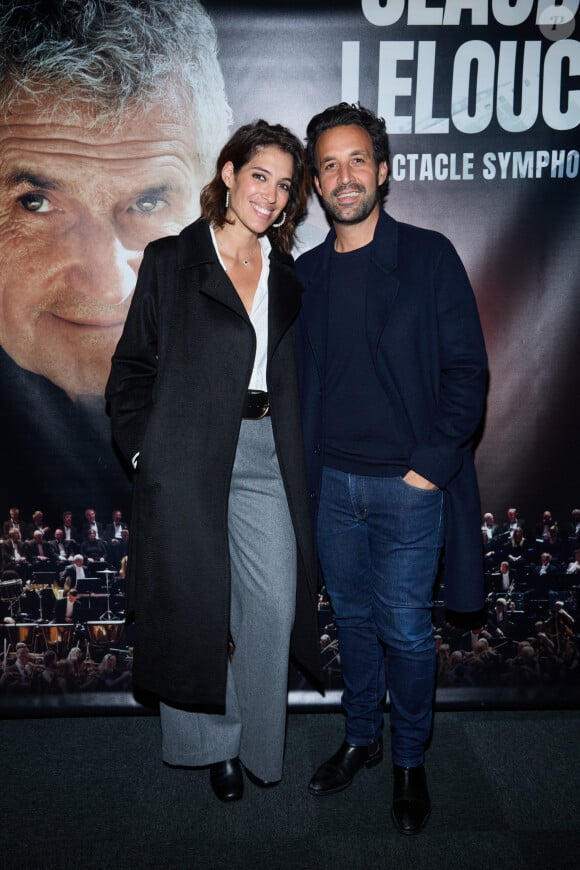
(240, 149)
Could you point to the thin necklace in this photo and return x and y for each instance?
(248, 258)
(245, 261)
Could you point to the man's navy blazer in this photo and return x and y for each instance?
(427, 346)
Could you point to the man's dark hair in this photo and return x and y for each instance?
(345, 114)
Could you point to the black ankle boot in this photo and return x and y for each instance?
(411, 804)
(339, 771)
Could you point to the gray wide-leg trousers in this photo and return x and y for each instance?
(263, 595)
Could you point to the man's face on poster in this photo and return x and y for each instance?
(78, 204)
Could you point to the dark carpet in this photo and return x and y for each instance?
(92, 793)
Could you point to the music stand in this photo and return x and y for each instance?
(108, 614)
(88, 585)
(11, 591)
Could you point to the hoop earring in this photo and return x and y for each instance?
(227, 198)
(279, 224)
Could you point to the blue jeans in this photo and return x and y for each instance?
(379, 542)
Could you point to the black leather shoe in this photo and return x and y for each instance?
(411, 804)
(261, 783)
(226, 779)
(339, 771)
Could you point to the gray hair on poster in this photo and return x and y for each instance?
(116, 58)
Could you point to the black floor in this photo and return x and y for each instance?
(92, 793)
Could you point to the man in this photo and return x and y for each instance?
(114, 530)
(503, 582)
(118, 548)
(13, 522)
(489, 527)
(543, 526)
(14, 554)
(496, 621)
(513, 522)
(38, 525)
(40, 552)
(19, 675)
(91, 524)
(541, 579)
(110, 120)
(574, 566)
(63, 549)
(393, 376)
(73, 573)
(70, 532)
(490, 542)
(68, 609)
(574, 524)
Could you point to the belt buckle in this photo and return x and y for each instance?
(265, 410)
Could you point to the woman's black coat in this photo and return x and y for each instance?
(176, 390)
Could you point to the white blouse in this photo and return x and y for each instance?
(258, 315)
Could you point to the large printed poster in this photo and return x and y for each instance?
(109, 126)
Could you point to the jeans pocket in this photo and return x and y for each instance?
(414, 488)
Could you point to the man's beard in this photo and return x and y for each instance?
(362, 210)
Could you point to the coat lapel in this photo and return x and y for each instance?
(314, 318)
(382, 282)
(196, 252)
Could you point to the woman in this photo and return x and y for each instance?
(517, 549)
(203, 391)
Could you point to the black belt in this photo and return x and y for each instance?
(256, 406)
